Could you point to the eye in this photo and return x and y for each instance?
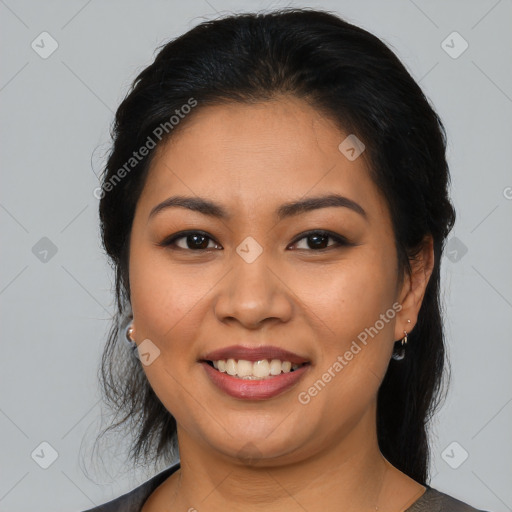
(200, 241)
(318, 240)
(189, 240)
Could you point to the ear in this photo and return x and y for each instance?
(414, 287)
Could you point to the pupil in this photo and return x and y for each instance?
(323, 238)
(194, 238)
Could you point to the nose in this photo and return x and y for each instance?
(253, 294)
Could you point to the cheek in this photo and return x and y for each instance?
(165, 300)
(352, 356)
(163, 295)
(351, 295)
(354, 341)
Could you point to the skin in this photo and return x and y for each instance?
(275, 454)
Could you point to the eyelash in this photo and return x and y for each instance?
(340, 241)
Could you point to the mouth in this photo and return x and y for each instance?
(255, 373)
(257, 370)
(254, 363)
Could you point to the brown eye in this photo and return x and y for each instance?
(319, 240)
(192, 241)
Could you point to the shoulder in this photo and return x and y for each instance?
(134, 500)
(436, 501)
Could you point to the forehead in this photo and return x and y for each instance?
(258, 155)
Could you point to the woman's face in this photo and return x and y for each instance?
(254, 278)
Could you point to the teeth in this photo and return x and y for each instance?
(262, 368)
(254, 370)
(275, 367)
(244, 368)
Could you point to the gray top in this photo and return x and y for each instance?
(430, 501)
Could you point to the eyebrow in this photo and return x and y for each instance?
(211, 209)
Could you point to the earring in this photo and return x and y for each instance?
(400, 354)
(128, 331)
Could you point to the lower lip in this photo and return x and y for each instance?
(254, 389)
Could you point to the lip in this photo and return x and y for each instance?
(254, 389)
(254, 354)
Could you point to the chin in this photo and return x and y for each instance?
(253, 446)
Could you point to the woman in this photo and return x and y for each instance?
(276, 207)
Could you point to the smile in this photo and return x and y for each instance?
(257, 370)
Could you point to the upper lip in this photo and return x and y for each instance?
(254, 354)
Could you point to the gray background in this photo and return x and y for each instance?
(55, 308)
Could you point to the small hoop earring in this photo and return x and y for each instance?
(400, 353)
